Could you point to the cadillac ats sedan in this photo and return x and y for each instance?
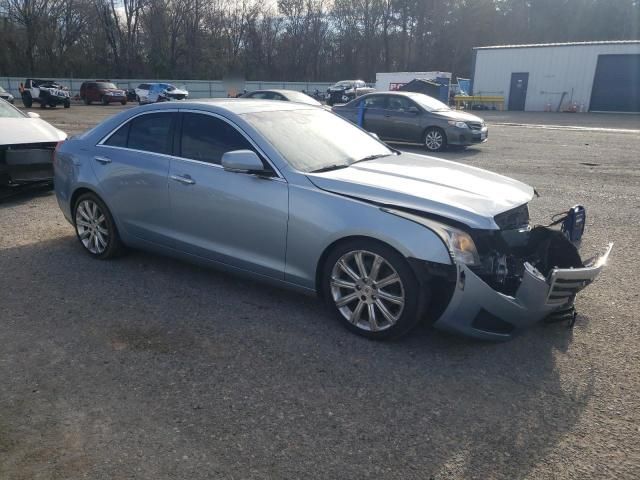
(300, 197)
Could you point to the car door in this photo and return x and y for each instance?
(238, 219)
(374, 115)
(132, 168)
(403, 119)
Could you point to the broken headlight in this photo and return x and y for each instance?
(460, 243)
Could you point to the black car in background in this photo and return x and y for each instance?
(346, 90)
(415, 118)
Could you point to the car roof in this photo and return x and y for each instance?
(238, 106)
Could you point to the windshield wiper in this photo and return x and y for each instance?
(329, 168)
(372, 157)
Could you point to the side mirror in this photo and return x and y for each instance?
(374, 135)
(413, 110)
(242, 161)
(33, 114)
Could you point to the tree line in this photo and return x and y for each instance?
(294, 40)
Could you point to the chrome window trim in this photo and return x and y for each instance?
(279, 175)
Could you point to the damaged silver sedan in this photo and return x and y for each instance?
(297, 196)
(27, 144)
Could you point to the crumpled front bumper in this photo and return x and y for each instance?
(479, 311)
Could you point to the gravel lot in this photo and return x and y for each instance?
(150, 368)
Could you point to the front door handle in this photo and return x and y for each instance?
(102, 160)
(186, 179)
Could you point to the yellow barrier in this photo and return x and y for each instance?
(468, 101)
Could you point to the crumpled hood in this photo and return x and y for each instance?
(466, 194)
(28, 130)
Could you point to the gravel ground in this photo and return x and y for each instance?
(150, 368)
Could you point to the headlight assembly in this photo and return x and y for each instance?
(460, 243)
(458, 124)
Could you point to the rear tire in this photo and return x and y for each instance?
(435, 140)
(105, 100)
(87, 101)
(372, 290)
(95, 227)
(123, 102)
(27, 101)
(67, 104)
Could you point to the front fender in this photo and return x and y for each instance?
(317, 219)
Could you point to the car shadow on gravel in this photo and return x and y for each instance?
(153, 355)
(10, 197)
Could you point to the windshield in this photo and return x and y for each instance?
(2, 90)
(344, 83)
(430, 104)
(107, 85)
(167, 86)
(315, 139)
(9, 111)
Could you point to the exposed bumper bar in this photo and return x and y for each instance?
(477, 310)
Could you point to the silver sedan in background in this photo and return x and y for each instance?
(297, 196)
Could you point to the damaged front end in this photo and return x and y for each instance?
(26, 163)
(524, 275)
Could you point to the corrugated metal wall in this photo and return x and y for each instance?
(552, 70)
(197, 88)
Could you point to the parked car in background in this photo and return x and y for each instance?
(26, 146)
(102, 91)
(346, 90)
(414, 118)
(4, 95)
(44, 92)
(159, 92)
(284, 95)
(296, 195)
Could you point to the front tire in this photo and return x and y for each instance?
(67, 104)
(435, 140)
(95, 227)
(105, 100)
(372, 290)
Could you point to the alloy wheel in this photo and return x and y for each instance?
(434, 140)
(367, 290)
(92, 228)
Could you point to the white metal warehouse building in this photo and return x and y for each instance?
(590, 76)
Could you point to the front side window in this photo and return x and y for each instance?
(207, 138)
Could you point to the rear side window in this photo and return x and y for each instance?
(119, 139)
(375, 102)
(400, 104)
(207, 138)
(151, 133)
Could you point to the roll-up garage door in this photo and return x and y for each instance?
(616, 86)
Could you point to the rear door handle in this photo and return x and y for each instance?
(186, 179)
(102, 160)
